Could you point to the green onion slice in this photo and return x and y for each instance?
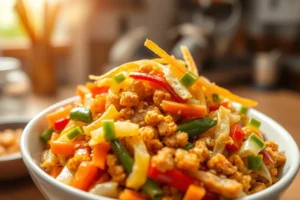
(109, 129)
(74, 132)
(188, 79)
(46, 135)
(119, 77)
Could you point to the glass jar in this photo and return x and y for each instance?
(14, 87)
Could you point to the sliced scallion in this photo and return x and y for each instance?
(188, 79)
(73, 133)
(244, 110)
(119, 77)
(252, 146)
(109, 129)
(254, 123)
(46, 135)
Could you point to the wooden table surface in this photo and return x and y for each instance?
(281, 105)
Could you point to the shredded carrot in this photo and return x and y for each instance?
(82, 91)
(179, 70)
(128, 194)
(58, 114)
(99, 154)
(64, 148)
(194, 192)
(85, 176)
(188, 110)
(55, 171)
(189, 60)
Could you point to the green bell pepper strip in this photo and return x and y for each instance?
(149, 187)
(188, 79)
(81, 114)
(118, 78)
(46, 135)
(109, 129)
(255, 162)
(188, 146)
(74, 133)
(197, 126)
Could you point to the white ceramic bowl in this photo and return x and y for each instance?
(11, 165)
(32, 147)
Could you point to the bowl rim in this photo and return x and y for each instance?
(13, 120)
(282, 184)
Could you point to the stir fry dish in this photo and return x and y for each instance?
(156, 129)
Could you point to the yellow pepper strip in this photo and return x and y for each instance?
(116, 87)
(138, 176)
(105, 82)
(131, 66)
(110, 113)
(179, 70)
(189, 60)
(122, 129)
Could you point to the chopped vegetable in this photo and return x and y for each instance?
(81, 114)
(58, 114)
(74, 133)
(82, 91)
(107, 189)
(118, 78)
(138, 175)
(267, 157)
(156, 79)
(65, 148)
(65, 176)
(194, 192)
(123, 155)
(179, 69)
(176, 85)
(215, 97)
(188, 79)
(174, 178)
(264, 172)
(244, 110)
(98, 105)
(99, 154)
(131, 195)
(109, 129)
(237, 134)
(187, 110)
(197, 126)
(152, 189)
(189, 60)
(122, 129)
(222, 130)
(253, 124)
(85, 176)
(61, 124)
(96, 89)
(49, 159)
(188, 146)
(56, 170)
(252, 146)
(255, 162)
(110, 113)
(46, 135)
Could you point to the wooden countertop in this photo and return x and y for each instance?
(281, 105)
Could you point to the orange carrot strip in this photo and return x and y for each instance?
(82, 91)
(55, 171)
(99, 104)
(64, 148)
(59, 114)
(187, 110)
(132, 195)
(194, 192)
(99, 154)
(85, 176)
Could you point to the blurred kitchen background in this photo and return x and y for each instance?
(49, 46)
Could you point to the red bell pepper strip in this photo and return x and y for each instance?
(173, 177)
(187, 110)
(237, 134)
(60, 124)
(215, 107)
(160, 81)
(267, 157)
